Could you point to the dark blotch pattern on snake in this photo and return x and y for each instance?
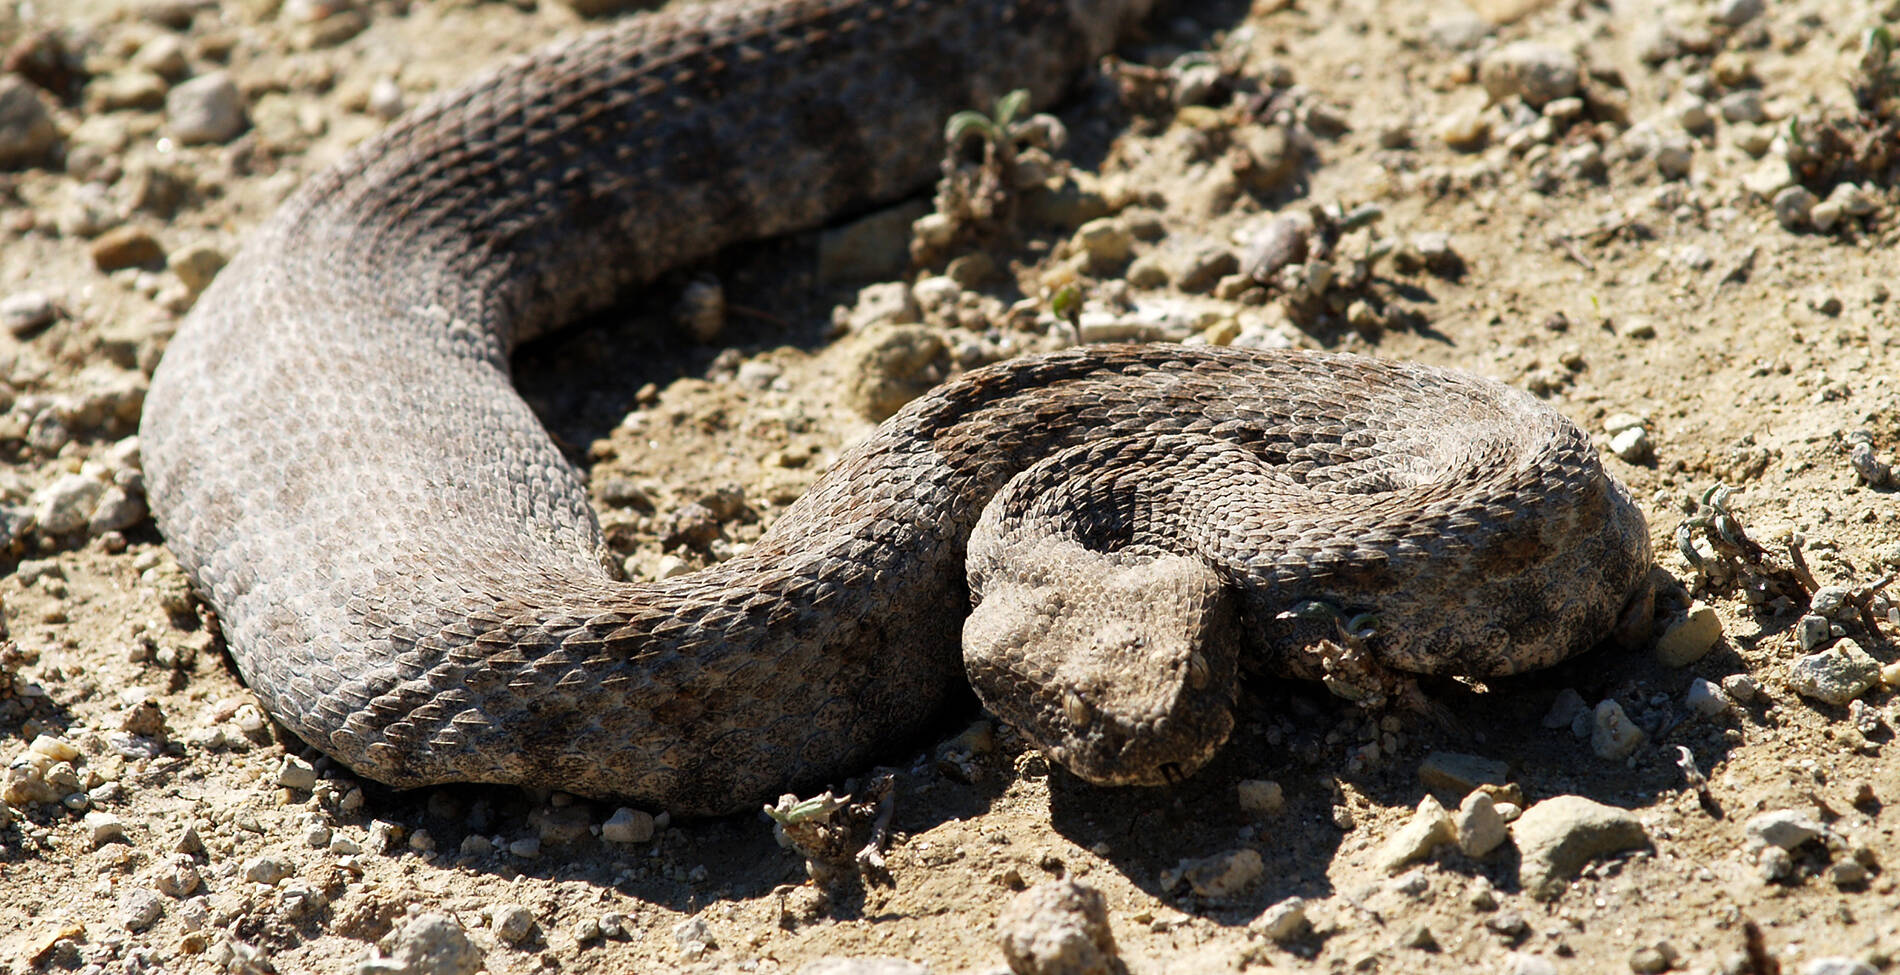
(409, 575)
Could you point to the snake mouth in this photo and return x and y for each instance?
(1171, 773)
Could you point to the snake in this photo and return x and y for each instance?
(407, 572)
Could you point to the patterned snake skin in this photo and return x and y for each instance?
(409, 575)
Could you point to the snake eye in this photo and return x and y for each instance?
(1197, 672)
(1075, 709)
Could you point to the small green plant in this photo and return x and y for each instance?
(992, 128)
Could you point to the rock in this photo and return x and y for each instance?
(1793, 205)
(196, 265)
(1264, 157)
(1741, 688)
(1675, 155)
(1277, 243)
(1478, 825)
(1632, 446)
(105, 828)
(1783, 828)
(1829, 601)
(896, 364)
(431, 944)
(116, 510)
(1613, 735)
(1836, 675)
(1812, 631)
(66, 504)
(297, 774)
(1106, 242)
(1058, 928)
(1457, 30)
(1283, 922)
(164, 55)
(1534, 72)
(1457, 773)
(205, 109)
(140, 907)
(1556, 837)
(1199, 268)
(1465, 128)
(1735, 13)
(872, 248)
(1220, 876)
(27, 133)
(385, 100)
(1706, 699)
(627, 826)
(1744, 106)
(1429, 828)
(264, 870)
(561, 825)
(1689, 638)
(126, 246)
(512, 922)
(26, 312)
(179, 878)
(1261, 797)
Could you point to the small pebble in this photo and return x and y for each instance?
(1261, 797)
(25, 312)
(1556, 837)
(1283, 922)
(1478, 825)
(1836, 675)
(295, 773)
(140, 907)
(1058, 928)
(512, 922)
(105, 828)
(627, 826)
(264, 870)
(1690, 637)
(1783, 828)
(1613, 735)
(205, 109)
(1537, 73)
(1706, 699)
(1457, 773)
(1220, 876)
(1741, 688)
(1792, 205)
(1632, 445)
(434, 944)
(1429, 828)
(126, 246)
(27, 132)
(1812, 631)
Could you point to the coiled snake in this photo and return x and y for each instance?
(409, 575)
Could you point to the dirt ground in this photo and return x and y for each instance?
(1604, 218)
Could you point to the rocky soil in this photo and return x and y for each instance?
(1674, 221)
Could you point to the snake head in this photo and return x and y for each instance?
(1121, 668)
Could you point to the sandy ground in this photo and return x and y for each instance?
(1627, 249)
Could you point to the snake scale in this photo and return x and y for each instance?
(409, 575)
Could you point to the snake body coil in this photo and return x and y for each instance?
(408, 572)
